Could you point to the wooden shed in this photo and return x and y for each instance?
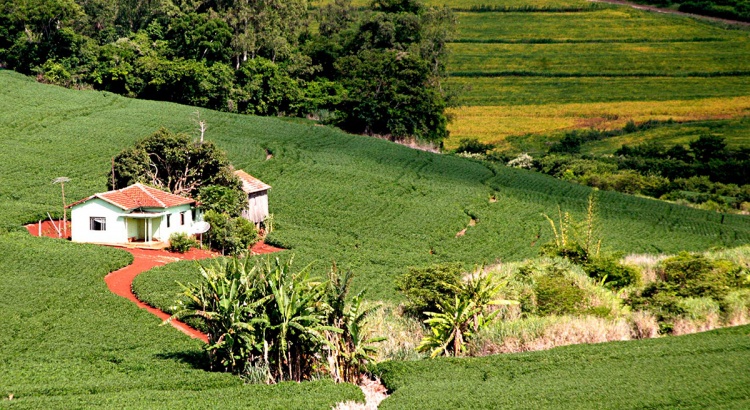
(256, 190)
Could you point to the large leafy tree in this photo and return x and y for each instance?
(174, 162)
(388, 93)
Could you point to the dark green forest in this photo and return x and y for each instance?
(376, 70)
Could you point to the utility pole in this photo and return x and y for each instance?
(62, 181)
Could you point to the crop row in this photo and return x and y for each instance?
(653, 59)
(620, 24)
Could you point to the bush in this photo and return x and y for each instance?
(223, 199)
(231, 236)
(473, 146)
(181, 242)
(611, 273)
(558, 295)
(424, 288)
(689, 275)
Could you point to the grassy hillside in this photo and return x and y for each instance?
(509, 67)
(687, 372)
(372, 206)
(70, 343)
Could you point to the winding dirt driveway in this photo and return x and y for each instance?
(120, 282)
(670, 11)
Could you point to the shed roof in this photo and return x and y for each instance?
(139, 196)
(251, 184)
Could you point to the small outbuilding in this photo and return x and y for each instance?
(256, 190)
(138, 213)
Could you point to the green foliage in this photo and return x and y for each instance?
(211, 54)
(222, 199)
(172, 161)
(266, 319)
(101, 350)
(473, 146)
(426, 288)
(230, 235)
(385, 96)
(456, 321)
(557, 295)
(609, 271)
(658, 371)
(180, 242)
(688, 276)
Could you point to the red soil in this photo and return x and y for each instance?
(261, 248)
(48, 229)
(120, 282)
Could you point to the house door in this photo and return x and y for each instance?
(136, 230)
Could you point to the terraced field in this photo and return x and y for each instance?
(517, 72)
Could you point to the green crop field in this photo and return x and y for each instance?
(601, 26)
(593, 59)
(372, 206)
(611, 54)
(502, 91)
(708, 370)
(70, 343)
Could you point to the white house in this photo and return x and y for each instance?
(137, 213)
(257, 197)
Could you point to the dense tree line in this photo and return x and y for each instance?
(706, 172)
(374, 70)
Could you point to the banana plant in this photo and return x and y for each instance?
(450, 327)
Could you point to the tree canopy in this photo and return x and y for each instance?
(173, 162)
(373, 70)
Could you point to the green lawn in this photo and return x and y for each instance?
(707, 370)
(70, 343)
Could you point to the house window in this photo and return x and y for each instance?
(182, 218)
(97, 223)
(169, 220)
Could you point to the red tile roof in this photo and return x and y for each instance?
(251, 184)
(139, 196)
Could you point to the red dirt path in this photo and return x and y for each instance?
(120, 282)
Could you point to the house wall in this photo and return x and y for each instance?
(80, 222)
(160, 230)
(257, 207)
(118, 230)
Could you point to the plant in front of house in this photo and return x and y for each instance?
(181, 242)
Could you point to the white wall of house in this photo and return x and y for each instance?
(114, 226)
(163, 232)
(119, 226)
(257, 207)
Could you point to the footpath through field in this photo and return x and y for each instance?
(120, 282)
(670, 11)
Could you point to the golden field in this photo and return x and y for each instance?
(492, 124)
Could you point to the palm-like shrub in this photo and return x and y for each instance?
(271, 324)
(351, 348)
(459, 319)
